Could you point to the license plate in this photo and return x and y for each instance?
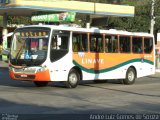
(24, 76)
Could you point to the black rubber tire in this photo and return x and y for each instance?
(40, 84)
(130, 76)
(73, 79)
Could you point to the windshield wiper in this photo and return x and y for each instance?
(16, 58)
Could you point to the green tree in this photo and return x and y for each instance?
(19, 20)
(141, 20)
(157, 15)
(1, 21)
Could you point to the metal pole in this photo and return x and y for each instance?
(152, 18)
(4, 32)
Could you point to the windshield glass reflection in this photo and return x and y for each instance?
(29, 46)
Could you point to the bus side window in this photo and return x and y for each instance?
(60, 40)
(148, 45)
(106, 45)
(54, 42)
(111, 44)
(93, 44)
(137, 44)
(59, 44)
(84, 42)
(124, 44)
(74, 44)
(64, 42)
(96, 43)
(79, 42)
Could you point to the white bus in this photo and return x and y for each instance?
(47, 53)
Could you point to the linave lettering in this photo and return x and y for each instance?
(92, 61)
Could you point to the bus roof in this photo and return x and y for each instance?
(92, 30)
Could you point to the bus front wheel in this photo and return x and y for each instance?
(73, 79)
(130, 76)
(41, 84)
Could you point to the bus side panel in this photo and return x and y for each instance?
(147, 66)
(115, 74)
(111, 65)
(119, 73)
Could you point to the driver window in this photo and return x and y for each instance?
(59, 45)
(60, 42)
(54, 44)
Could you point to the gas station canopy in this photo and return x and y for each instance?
(28, 7)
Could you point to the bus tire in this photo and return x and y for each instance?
(73, 79)
(130, 76)
(40, 83)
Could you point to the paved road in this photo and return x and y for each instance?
(88, 98)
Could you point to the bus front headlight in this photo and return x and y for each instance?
(43, 68)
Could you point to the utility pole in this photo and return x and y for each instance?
(152, 17)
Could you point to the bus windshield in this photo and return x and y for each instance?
(29, 46)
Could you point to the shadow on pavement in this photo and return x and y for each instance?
(24, 111)
(5, 80)
(129, 92)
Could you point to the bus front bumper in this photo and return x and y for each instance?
(37, 76)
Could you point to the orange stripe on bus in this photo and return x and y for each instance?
(103, 60)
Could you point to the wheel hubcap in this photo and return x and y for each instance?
(131, 76)
(73, 78)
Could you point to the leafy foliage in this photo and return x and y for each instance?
(19, 20)
(141, 20)
(1, 20)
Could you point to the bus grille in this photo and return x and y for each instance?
(24, 70)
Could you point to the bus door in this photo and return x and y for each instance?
(59, 49)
